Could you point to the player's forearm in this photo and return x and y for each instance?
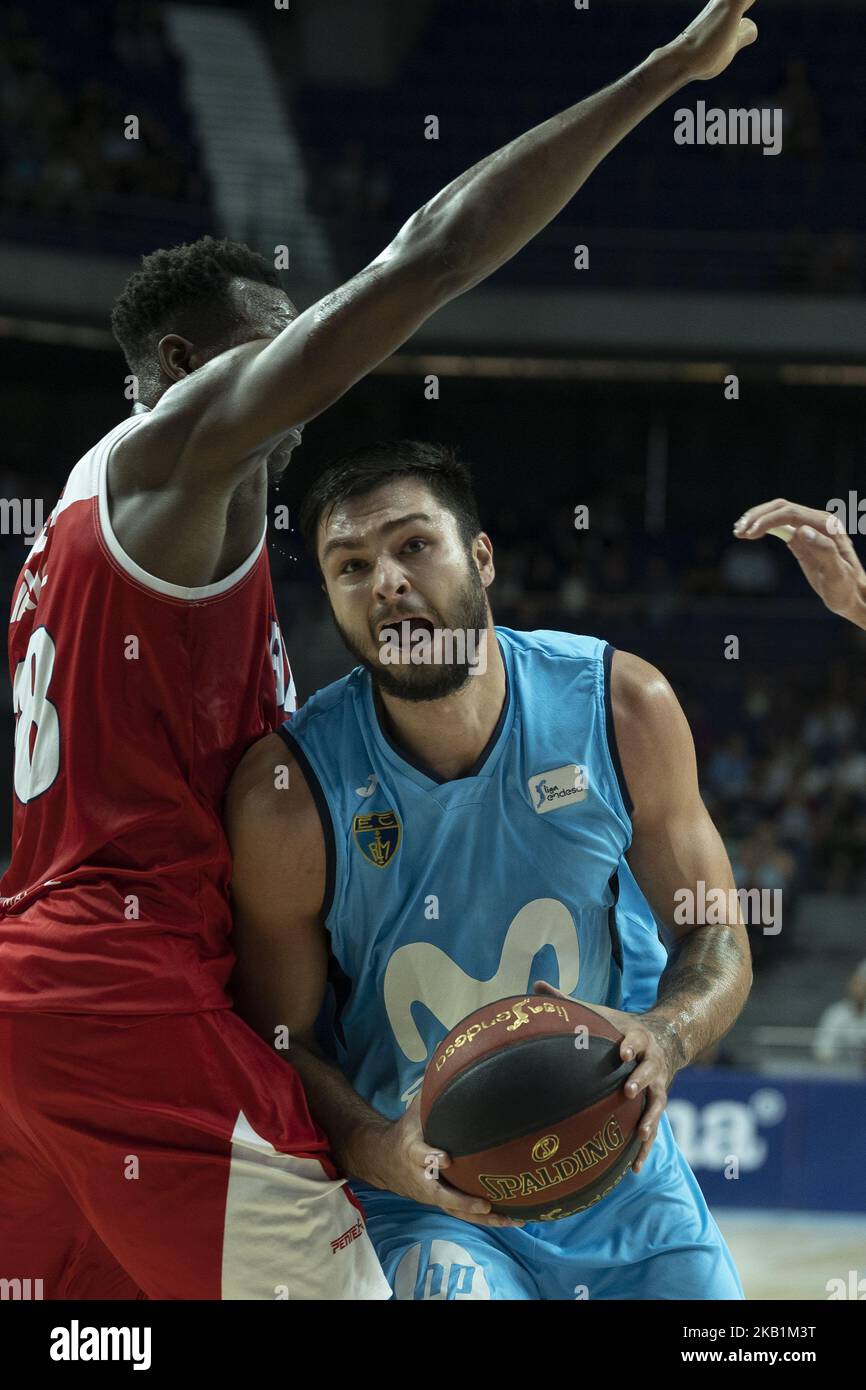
(348, 1121)
(703, 989)
(485, 216)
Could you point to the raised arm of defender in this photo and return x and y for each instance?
(227, 412)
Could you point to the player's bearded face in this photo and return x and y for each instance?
(467, 612)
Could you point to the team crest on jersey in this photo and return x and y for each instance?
(377, 836)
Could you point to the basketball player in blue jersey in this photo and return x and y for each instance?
(423, 839)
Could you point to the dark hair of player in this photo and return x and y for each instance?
(367, 468)
(184, 290)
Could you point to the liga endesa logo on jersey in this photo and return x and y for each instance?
(560, 787)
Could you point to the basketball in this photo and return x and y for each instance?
(527, 1097)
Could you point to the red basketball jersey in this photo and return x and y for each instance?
(134, 701)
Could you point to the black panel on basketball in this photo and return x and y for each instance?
(531, 1085)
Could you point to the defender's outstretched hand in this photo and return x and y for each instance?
(712, 41)
(823, 550)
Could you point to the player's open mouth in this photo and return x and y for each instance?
(416, 624)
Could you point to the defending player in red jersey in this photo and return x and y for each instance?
(150, 1144)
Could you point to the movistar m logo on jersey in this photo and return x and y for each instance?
(421, 973)
(377, 836)
(559, 787)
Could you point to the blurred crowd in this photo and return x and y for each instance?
(356, 184)
(840, 1037)
(598, 554)
(64, 153)
(63, 147)
(789, 794)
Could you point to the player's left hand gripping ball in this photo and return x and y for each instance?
(648, 1041)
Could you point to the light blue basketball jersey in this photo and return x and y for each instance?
(445, 896)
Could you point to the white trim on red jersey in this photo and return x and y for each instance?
(93, 481)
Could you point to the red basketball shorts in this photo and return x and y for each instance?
(168, 1157)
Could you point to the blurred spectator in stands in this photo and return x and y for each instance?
(850, 769)
(828, 727)
(543, 578)
(609, 569)
(772, 865)
(794, 825)
(839, 829)
(662, 601)
(354, 186)
(760, 709)
(761, 862)
(508, 527)
(23, 49)
(702, 575)
(798, 261)
(606, 517)
(139, 38)
(841, 1031)
(748, 570)
(839, 267)
(573, 591)
(168, 172)
(784, 761)
(802, 127)
(729, 770)
(704, 732)
(347, 181)
(803, 148)
(509, 586)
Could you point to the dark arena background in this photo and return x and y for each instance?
(687, 340)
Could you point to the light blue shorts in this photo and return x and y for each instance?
(651, 1238)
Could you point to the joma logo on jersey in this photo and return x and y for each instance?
(377, 836)
(559, 787)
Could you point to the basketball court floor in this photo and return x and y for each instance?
(793, 1255)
